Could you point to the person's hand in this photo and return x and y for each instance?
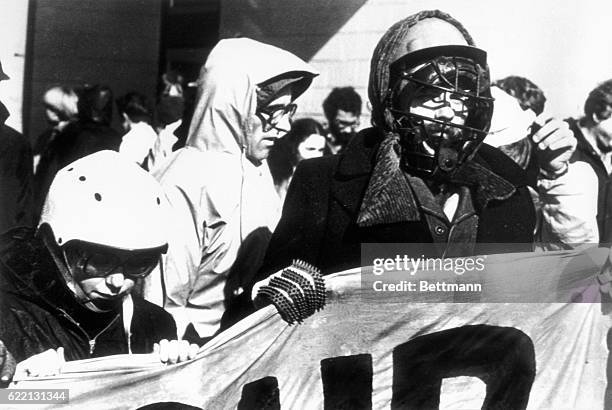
(7, 365)
(175, 351)
(297, 292)
(47, 363)
(555, 143)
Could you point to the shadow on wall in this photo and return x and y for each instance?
(302, 27)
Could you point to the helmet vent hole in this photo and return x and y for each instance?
(82, 178)
(158, 201)
(70, 169)
(98, 196)
(59, 240)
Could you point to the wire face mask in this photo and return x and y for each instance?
(440, 104)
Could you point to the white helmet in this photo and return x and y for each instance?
(105, 199)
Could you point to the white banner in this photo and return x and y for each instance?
(372, 349)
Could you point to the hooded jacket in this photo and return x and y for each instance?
(38, 311)
(223, 205)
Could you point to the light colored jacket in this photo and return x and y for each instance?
(218, 197)
(138, 142)
(566, 207)
(567, 217)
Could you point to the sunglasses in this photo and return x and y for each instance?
(91, 261)
(272, 115)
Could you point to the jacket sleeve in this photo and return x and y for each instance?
(16, 179)
(134, 147)
(150, 324)
(171, 287)
(568, 209)
(299, 232)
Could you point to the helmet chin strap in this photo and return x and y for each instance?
(73, 286)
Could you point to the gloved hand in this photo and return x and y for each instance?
(297, 292)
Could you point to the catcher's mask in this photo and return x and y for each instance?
(439, 79)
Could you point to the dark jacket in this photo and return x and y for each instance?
(38, 312)
(15, 177)
(76, 141)
(585, 152)
(319, 226)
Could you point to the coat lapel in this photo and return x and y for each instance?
(353, 172)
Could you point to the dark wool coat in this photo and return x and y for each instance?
(76, 141)
(39, 313)
(319, 217)
(15, 177)
(318, 224)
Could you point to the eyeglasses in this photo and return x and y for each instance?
(272, 115)
(93, 261)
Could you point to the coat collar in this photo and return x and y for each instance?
(355, 165)
(354, 169)
(358, 157)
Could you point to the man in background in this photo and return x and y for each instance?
(342, 109)
(593, 133)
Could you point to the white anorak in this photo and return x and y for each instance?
(565, 209)
(138, 142)
(218, 196)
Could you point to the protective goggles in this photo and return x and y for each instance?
(87, 260)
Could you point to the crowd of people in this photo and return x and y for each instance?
(118, 241)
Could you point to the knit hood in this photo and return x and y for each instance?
(391, 47)
(388, 197)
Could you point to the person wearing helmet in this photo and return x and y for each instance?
(222, 196)
(65, 289)
(421, 174)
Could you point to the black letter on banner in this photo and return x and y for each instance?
(502, 357)
(347, 382)
(261, 394)
(168, 405)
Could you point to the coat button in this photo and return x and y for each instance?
(440, 230)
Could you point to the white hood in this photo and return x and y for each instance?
(227, 91)
(218, 196)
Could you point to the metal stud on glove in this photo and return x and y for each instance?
(297, 291)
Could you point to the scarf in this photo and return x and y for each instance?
(389, 197)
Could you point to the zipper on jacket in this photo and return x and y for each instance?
(92, 343)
